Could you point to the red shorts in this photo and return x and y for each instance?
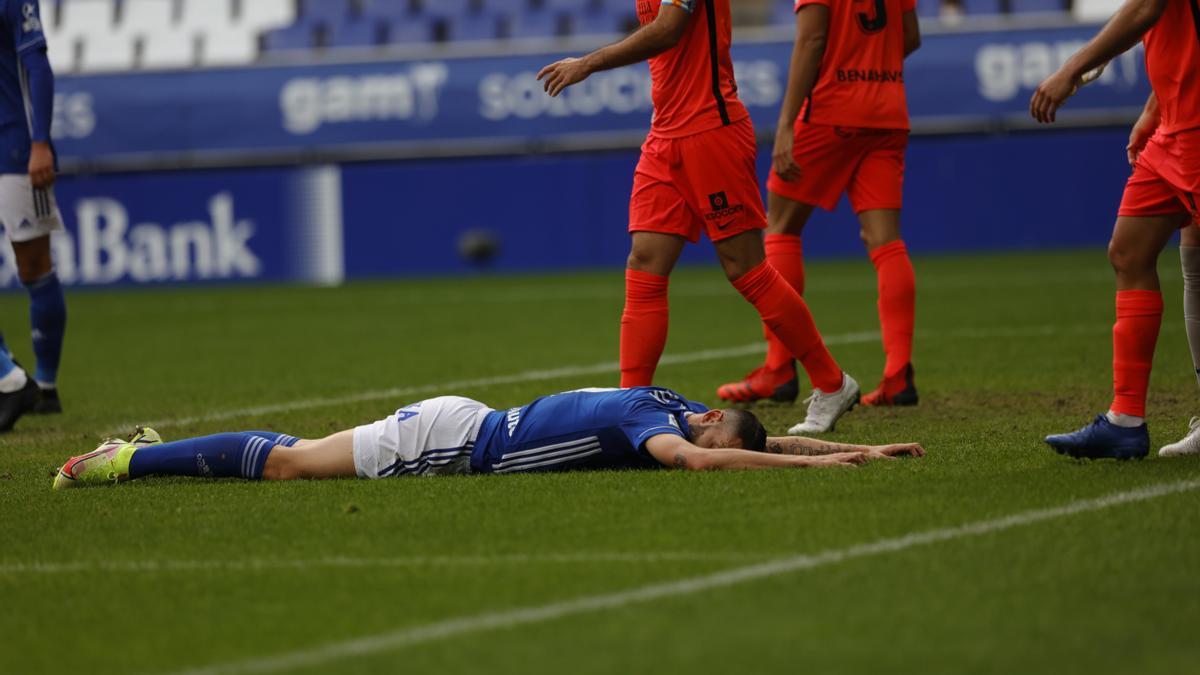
(867, 163)
(706, 182)
(1166, 178)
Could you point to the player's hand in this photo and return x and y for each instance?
(783, 157)
(1142, 131)
(1051, 94)
(41, 166)
(838, 459)
(896, 450)
(562, 74)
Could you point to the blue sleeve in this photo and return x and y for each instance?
(25, 21)
(644, 420)
(41, 92)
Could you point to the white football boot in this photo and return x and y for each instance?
(824, 410)
(1188, 445)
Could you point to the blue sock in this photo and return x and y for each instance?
(48, 320)
(234, 455)
(6, 363)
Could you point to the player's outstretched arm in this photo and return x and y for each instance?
(676, 452)
(812, 447)
(1121, 33)
(812, 30)
(650, 40)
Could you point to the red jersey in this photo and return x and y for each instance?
(692, 84)
(861, 81)
(1173, 62)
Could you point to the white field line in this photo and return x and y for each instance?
(390, 641)
(339, 562)
(602, 368)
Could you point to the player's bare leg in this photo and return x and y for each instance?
(880, 232)
(1189, 258)
(33, 259)
(784, 312)
(1121, 433)
(329, 457)
(644, 321)
(776, 378)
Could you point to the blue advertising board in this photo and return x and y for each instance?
(463, 106)
(544, 212)
(197, 226)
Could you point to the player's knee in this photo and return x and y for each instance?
(736, 268)
(33, 263)
(282, 464)
(871, 238)
(1125, 260)
(647, 260)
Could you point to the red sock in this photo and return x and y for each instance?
(1139, 316)
(897, 305)
(643, 327)
(784, 312)
(786, 255)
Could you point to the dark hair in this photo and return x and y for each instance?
(747, 427)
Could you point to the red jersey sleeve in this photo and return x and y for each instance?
(802, 3)
(908, 5)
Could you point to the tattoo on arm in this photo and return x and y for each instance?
(803, 447)
(680, 461)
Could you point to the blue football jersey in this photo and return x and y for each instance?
(585, 429)
(20, 30)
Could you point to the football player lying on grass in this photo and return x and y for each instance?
(638, 428)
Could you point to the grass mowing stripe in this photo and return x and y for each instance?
(739, 575)
(257, 564)
(601, 368)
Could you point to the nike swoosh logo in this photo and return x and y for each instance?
(721, 227)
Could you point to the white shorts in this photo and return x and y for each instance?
(433, 437)
(25, 213)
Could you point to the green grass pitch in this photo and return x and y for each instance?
(165, 575)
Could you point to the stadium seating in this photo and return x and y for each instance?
(106, 35)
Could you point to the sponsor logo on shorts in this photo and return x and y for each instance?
(25, 224)
(32, 22)
(202, 467)
(723, 210)
(513, 418)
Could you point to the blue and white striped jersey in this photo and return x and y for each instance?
(585, 429)
(20, 30)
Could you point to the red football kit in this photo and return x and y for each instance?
(1165, 181)
(697, 173)
(853, 130)
(697, 170)
(1166, 177)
